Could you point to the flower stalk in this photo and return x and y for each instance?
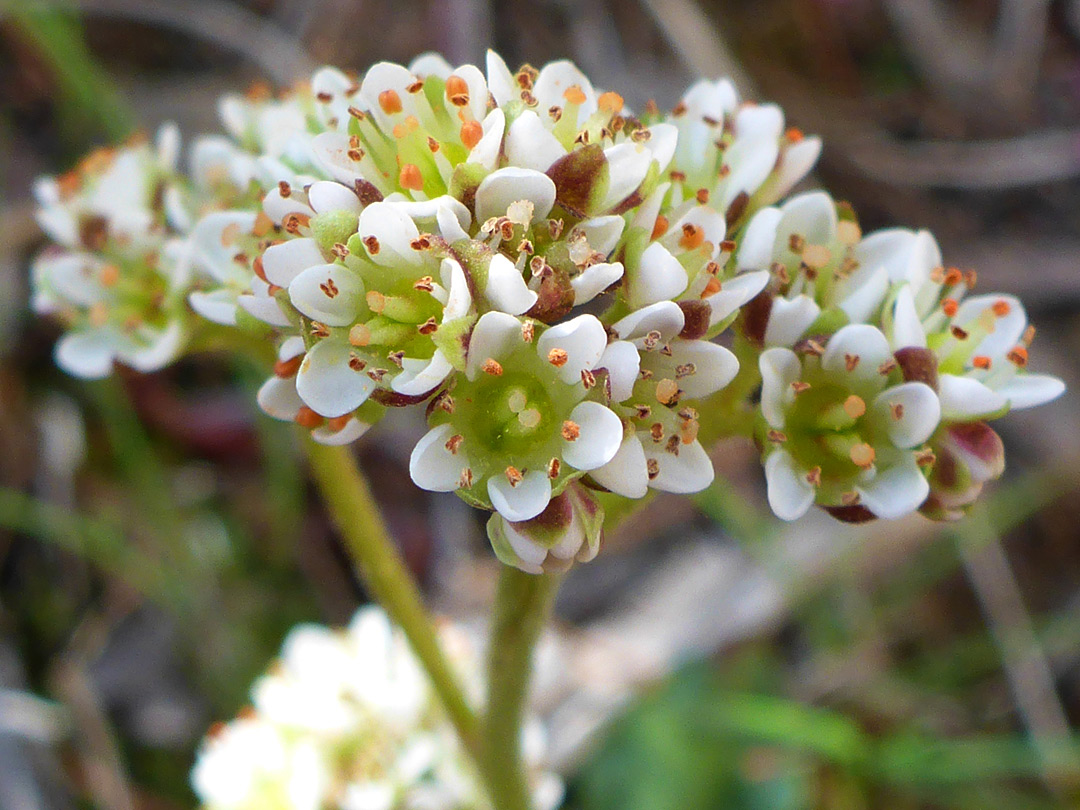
(523, 604)
(348, 498)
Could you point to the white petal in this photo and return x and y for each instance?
(506, 289)
(756, 247)
(384, 76)
(458, 298)
(857, 340)
(331, 153)
(759, 122)
(734, 293)
(795, 163)
(863, 295)
(790, 494)
(811, 216)
(645, 218)
(1029, 390)
(395, 232)
(964, 398)
(789, 319)
(751, 163)
(329, 293)
(530, 145)
(920, 413)
(505, 186)
(449, 223)
(627, 473)
(327, 383)
(531, 555)
(214, 240)
(72, 276)
(555, 79)
(906, 255)
(494, 335)
(665, 317)
(420, 376)
(429, 211)
(478, 91)
(658, 277)
(432, 466)
(325, 196)
(348, 434)
(599, 440)
(277, 207)
(500, 80)
(160, 349)
(583, 339)
(628, 164)
(278, 398)
(263, 307)
(704, 217)
(594, 279)
(689, 471)
(1008, 329)
(779, 369)
(86, 354)
(622, 361)
(896, 491)
(430, 64)
(522, 502)
(907, 329)
(285, 261)
(714, 366)
(291, 347)
(218, 306)
(602, 233)
(662, 142)
(486, 151)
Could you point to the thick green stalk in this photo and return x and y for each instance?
(350, 503)
(522, 606)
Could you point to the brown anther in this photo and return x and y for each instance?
(667, 392)
(425, 284)
(656, 430)
(665, 350)
(528, 98)
(712, 287)
(319, 329)
(525, 78)
(897, 411)
(357, 113)
(812, 347)
(925, 458)
(377, 374)
(570, 430)
(862, 455)
(324, 97)
(357, 363)
(981, 361)
(1001, 308)
(588, 379)
(329, 288)
(813, 478)
(798, 386)
(796, 243)
(555, 228)
(850, 499)
(466, 479)
(470, 133)
(673, 443)
(553, 468)
(645, 374)
(433, 145)
(651, 340)
(284, 189)
(555, 112)
(294, 222)
(528, 329)
(453, 443)
(851, 362)
(359, 335)
(428, 327)
(558, 357)
(492, 367)
(372, 244)
(652, 466)
(415, 87)
(958, 333)
(410, 177)
(854, 406)
(684, 370)
(397, 358)
(514, 476)
(339, 250)
(444, 402)
(692, 237)
(643, 411)
(687, 414)
(702, 196)
(1018, 356)
(887, 367)
(307, 418)
(525, 246)
(457, 91)
(679, 109)
(677, 176)
(288, 368)
(659, 227)
(390, 102)
(971, 278)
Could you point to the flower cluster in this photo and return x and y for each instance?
(346, 719)
(553, 278)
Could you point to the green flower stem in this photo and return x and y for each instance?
(523, 604)
(355, 513)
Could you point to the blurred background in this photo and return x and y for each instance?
(158, 537)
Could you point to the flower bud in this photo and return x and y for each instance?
(967, 455)
(569, 529)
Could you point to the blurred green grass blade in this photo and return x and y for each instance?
(56, 34)
(722, 503)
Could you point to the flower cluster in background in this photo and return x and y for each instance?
(347, 719)
(567, 287)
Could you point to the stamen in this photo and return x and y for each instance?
(693, 237)
(816, 256)
(981, 361)
(1001, 308)
(553, 468)
(949, 307)
(307, 418)
(851, 362)
(466, 479)
(574, 95)
(813, 478)
(329, 288)
(529, 418)
(610, 102)
(410, 177)
(454, 442)
(863, 455)
(850, 499)
(390, 102)
(359, 334)
(571, 430)
(457, 91)
(1018, 356)
(652, 466)
(428, 327)
(372, 244)
(656, 430)
(667, 391)
(425, 284)
(492, 367)
(659, 227)
(470, 133)
(854, 406)
(558, 357)
(798, 387)
(528, 329)
(588, 379)
(514, 476)
(288, 368)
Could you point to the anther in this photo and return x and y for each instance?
(1018, 356)
(897, 411)
(854, 406)
(528, 329)
(470, 133)
(958, 333)
(862, 455)
(356, 363)
(798, 386)
(949, 307)
(329, 288)
(692, 237)
(457, 91)
(851, 362)
(574, 95)
(284, 189)
(588, 379)
(553, 468)
(558, 357)
(307, 418)
(570, 430)
(610, 102)
(425, 284)
(454, 442)
(813, 478)
(372, 244)
(514, 476)
(981, 361)
(359, 335)
(1001, 308)
(659, 227)
(667, 391)
(428, 327)
(390, 102)
(410, 177)
(492, 367)
(652, 466)
(466, 479)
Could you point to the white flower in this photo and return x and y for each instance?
(839, 429)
